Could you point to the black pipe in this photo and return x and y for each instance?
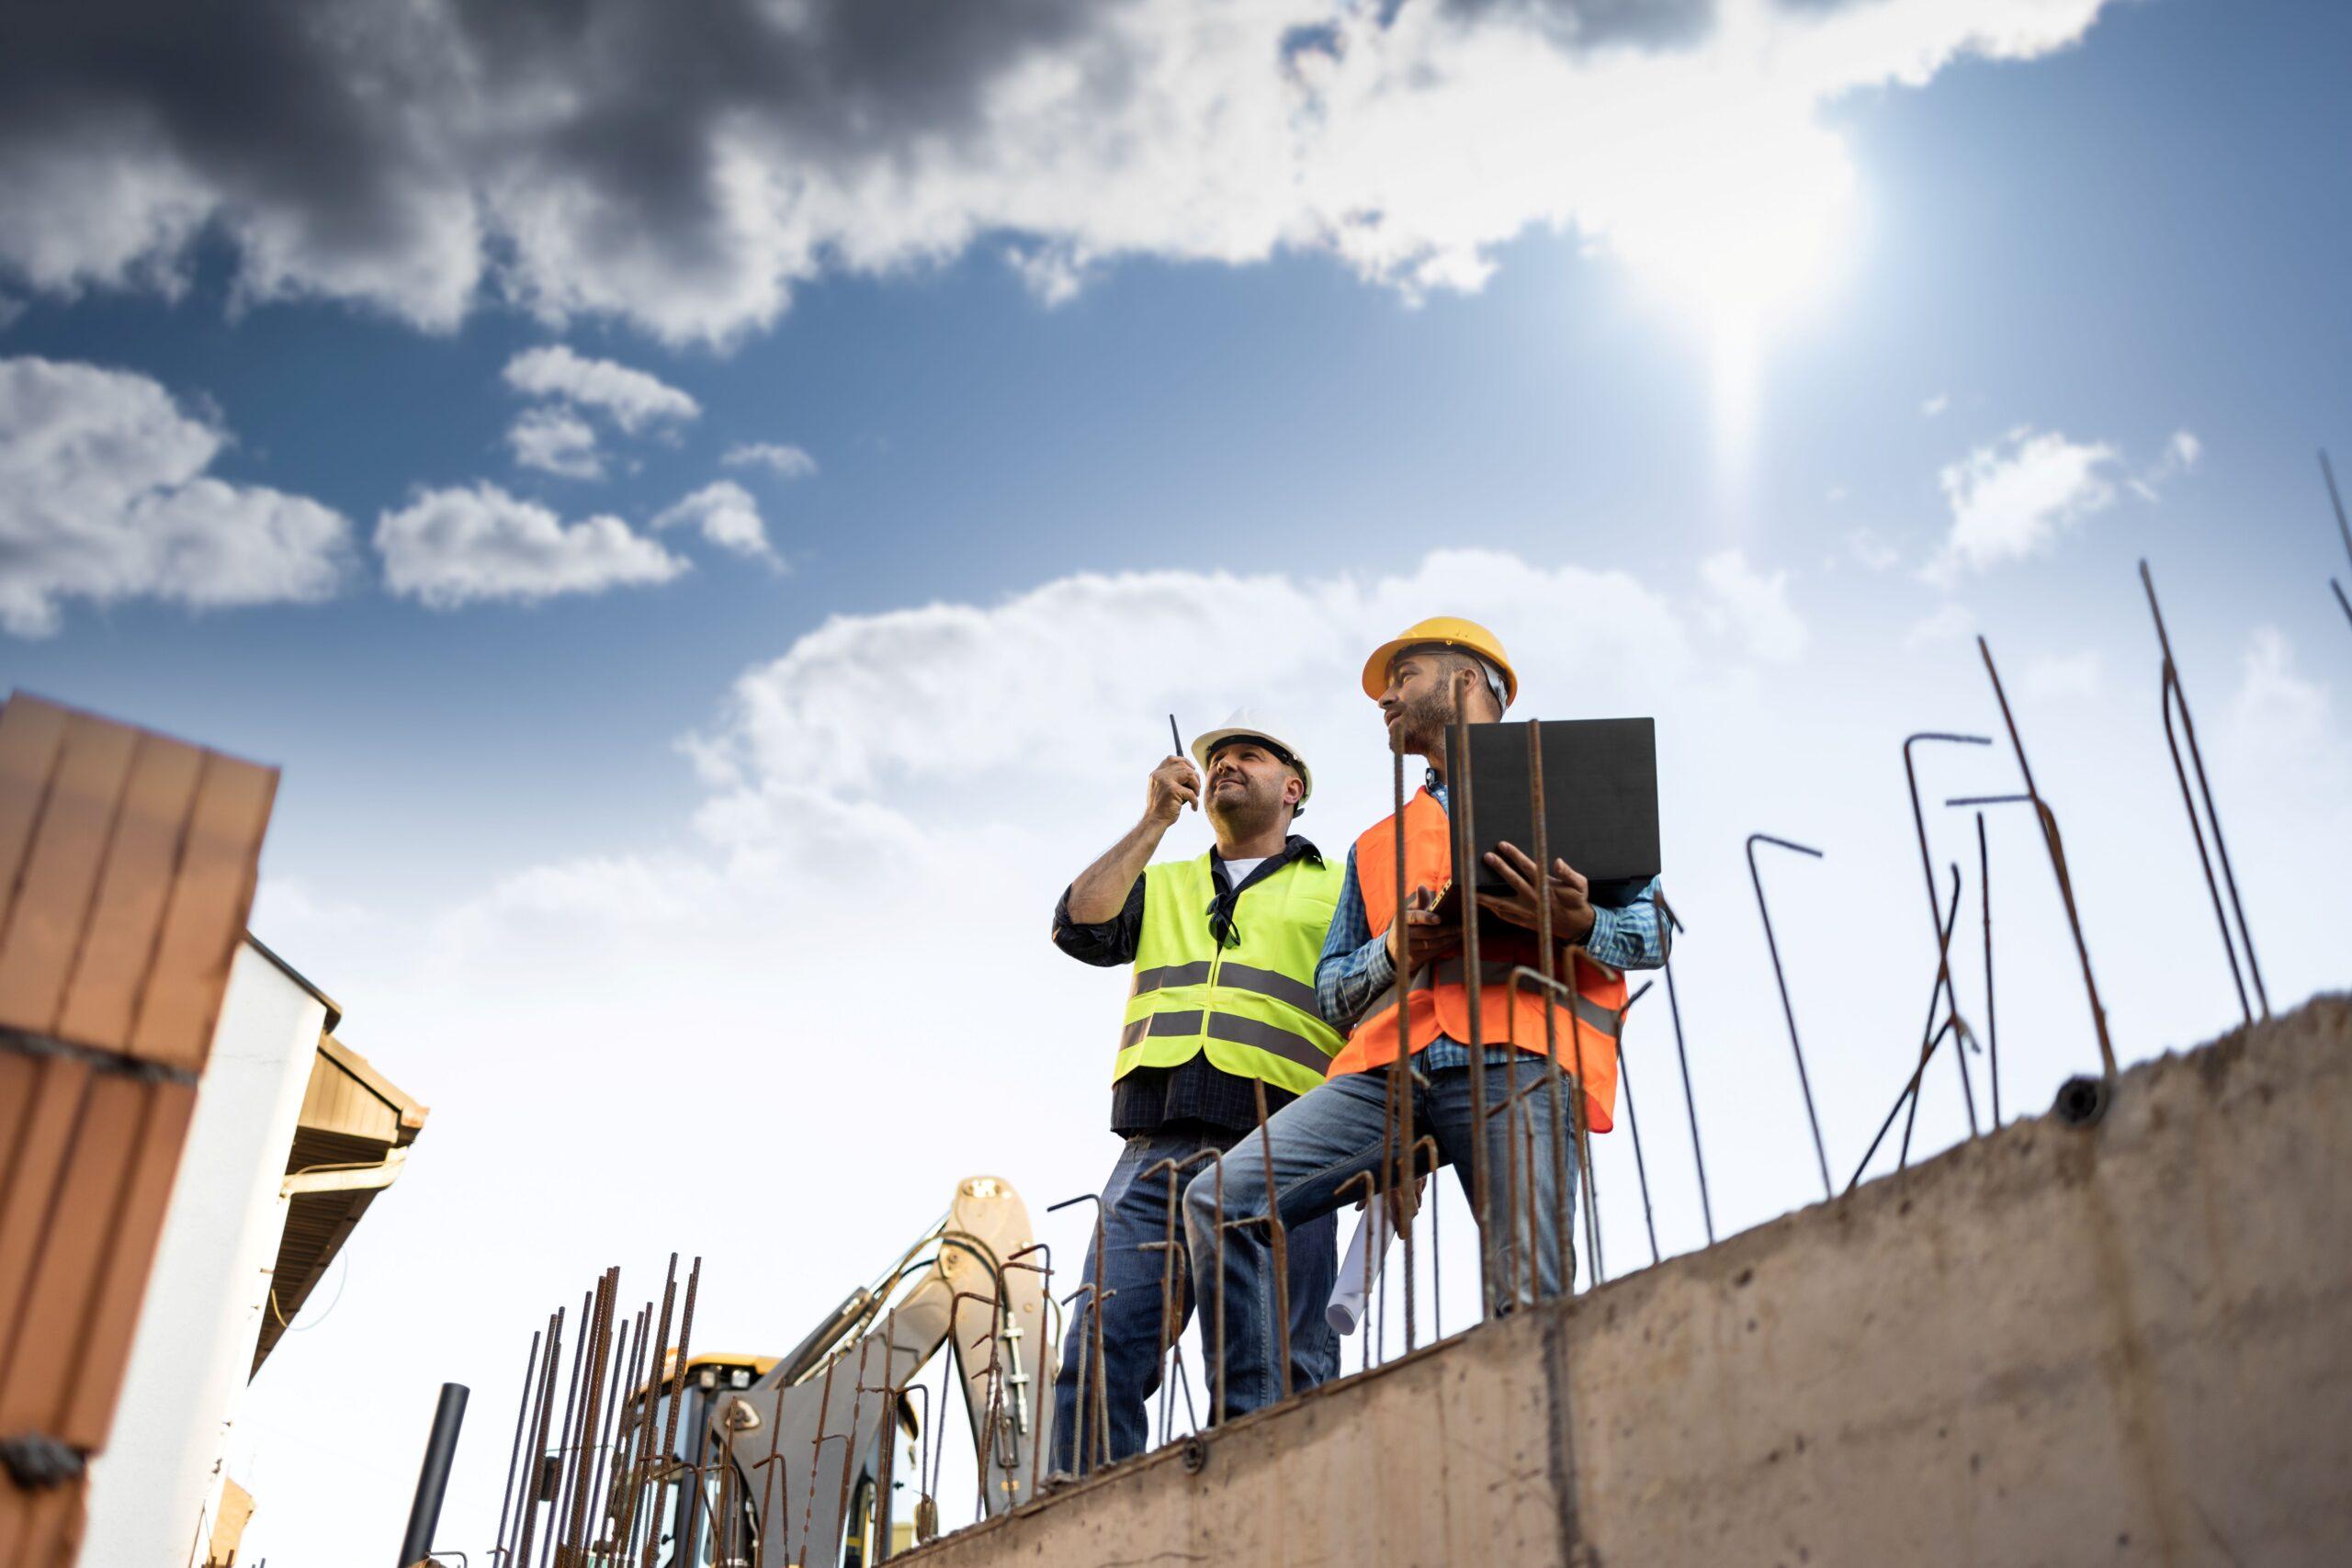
(810, 1353)
(433, 1478)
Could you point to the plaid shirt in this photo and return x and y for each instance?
(1355, 973)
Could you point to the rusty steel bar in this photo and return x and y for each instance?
(1959, 1026)
(618, 1390)
(1090, 1348)
(677, 1396)
(644, 1371)
(528, 1530)
(2174, 696)
(824, 1419)
(1514, 1098)
(1580, 1121)
(1085, 1362)
(1991, 1025)
(657, 1367)
(2335, 498)
(1632, 1123)
(563, 1433)
(2057, 848)
(1464, 817)
(1928, 869)
(1690, 1100)
(1278, 1242)
(1545, 959)
(1820, 1150)
(599, 1340)
(1400, 1071)
(1170, 1249)
(1929, 1035)
(1437, 1238)
(632, 1344)
(514, 1448)
(1046, 1272)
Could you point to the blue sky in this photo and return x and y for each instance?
(2133, 229)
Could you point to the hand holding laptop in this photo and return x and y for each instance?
(1571, 894)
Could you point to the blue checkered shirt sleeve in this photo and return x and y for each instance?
(1355, 969)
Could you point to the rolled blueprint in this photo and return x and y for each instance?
(1349, 1294)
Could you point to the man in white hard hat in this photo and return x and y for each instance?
(1222, 1013)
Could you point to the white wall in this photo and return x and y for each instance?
(154, 1491)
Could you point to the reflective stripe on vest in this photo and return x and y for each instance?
(1585, 1026)
(1250, 1007)
(1449, 972)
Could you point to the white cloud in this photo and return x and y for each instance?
(1935, 405)
(867, 714)
(726, 516)
(2011, 499)
(1952, 623)
(2054, 678)
(1869, 549)
(2179, 456)
(557, 441)
(456, 546)
(105, 495)
(787, 460)
(630, 399)
(1752, 607)
(391, 156)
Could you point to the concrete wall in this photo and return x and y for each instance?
(2128, 1343)
(153, 1492)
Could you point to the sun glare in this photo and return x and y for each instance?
(1746, 230)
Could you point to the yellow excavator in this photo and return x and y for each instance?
(831, 1455)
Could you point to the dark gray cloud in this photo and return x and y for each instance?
(1592, 24)
(684, 163)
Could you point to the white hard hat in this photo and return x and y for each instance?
(1256, 723)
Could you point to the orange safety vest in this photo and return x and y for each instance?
(1439, 1003)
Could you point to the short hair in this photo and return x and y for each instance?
(1451, 659)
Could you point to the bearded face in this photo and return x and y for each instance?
(1248, 789)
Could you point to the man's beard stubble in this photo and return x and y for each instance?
(1248, 816)
(1421, 730)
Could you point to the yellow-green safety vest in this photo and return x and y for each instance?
(1250, 1006)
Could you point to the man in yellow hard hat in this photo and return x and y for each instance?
(1423, 679)
(1223, 1008)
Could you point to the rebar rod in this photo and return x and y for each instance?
(1820, 1149)
(1992, 1024)
(678, 1394)
(2174, 696)
(2056, 844)
(1928, 871)
(528, 1529)
(1959, 1027)
(563, 1433)
(641, 1468)
(1400, 1080)
(1682, 1057)
(1633, 1126)
(598, 1498)
(1464, 817)
(2342, 528)
(1278, 1243)
(1930, 1034)
(1562, 1197)
(514, 1448)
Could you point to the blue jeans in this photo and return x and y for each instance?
(1322, 1141)
(1135, 1211)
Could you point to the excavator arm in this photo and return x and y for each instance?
(808, 1449)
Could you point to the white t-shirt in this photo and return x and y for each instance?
(1236, 872)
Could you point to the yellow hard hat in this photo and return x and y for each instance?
(1440, 631)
